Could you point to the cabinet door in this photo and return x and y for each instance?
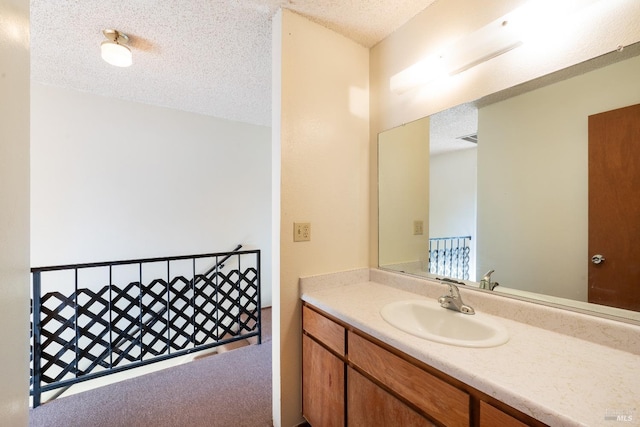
(322, 385)
(369, 405)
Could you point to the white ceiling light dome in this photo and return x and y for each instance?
(115, 50)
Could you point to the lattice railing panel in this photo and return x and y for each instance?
(103, 328)
(57, 329)
(248, 297)
(205, 314)
(93, 330)
(155, 323)
(450, 256)
(180, 313)
(125, 321)
(228, 308)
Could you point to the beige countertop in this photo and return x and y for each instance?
(557, 378)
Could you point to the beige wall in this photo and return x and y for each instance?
(594, 31)
(14, 214)
(404, 192)
(321, 131)
(533, 154)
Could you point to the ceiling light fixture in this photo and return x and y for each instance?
(115, 50)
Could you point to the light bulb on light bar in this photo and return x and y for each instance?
(539, 20)
(418, 74)
(490, 41)
(115, 51)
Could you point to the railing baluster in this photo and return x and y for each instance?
(110, 329)
(168, 311)
(193, 303)
(259, 297)
(217, 299)
(75, 324)
(140, 324)
(37, 291)
(239, 297)
(440, 268)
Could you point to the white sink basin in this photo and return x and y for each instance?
(426, 319)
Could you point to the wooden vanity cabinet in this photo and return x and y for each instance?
(351, 379)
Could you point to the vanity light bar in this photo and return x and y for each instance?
(488, 42)
(494, 39)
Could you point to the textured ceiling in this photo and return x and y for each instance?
(448, 126)
(211, 57)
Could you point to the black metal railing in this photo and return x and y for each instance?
(91, 320)
(449, 256)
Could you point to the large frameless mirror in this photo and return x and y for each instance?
(503, 183)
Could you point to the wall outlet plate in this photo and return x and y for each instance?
(418, 227)
(301, 231)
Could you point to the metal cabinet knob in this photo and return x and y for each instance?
(597, 259)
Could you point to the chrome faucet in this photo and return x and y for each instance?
(486, 283)
(453, 301)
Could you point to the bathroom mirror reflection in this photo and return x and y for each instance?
(504, 185)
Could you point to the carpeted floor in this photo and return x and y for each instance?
(228, 389)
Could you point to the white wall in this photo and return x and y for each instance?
(533, 225)
(14, 214)
(594, 31)
(452, 202)
(321, 87)
(114, 180)
(453, 193)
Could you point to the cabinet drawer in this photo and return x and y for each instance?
(492, 416)
(324, 330)
(443, 402)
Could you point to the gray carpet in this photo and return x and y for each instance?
(229, 389)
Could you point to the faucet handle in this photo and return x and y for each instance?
(453, 301)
